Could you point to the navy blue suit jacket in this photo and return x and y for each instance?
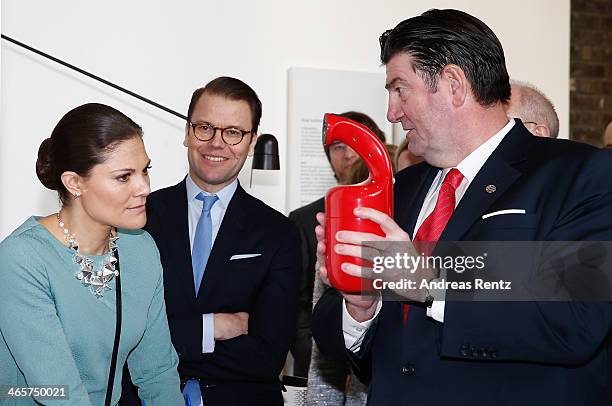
(301, 346)
(495, 353)
(245, 369)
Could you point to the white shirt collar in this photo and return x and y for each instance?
(471, 164)
(224, 195)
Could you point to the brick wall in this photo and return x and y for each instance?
(590, 69)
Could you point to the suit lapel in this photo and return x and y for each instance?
(177, 231)
(500, 171)
(232, 229)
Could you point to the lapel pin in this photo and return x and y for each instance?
(490, 189)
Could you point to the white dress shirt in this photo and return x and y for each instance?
(217, 212)
(469, 168)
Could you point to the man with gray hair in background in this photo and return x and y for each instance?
(534, 109)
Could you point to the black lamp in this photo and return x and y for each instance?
(265, 155)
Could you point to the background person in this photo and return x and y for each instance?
(607, 136)
(403, 158)
(331, 381)
(341, 158)
(534, 109)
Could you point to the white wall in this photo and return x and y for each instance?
(164, 50)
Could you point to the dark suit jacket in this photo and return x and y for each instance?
(301, 345)
(496, 353)
(245, 369)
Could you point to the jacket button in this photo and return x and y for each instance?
(408, 370)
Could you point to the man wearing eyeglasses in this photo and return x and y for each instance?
(231, 263)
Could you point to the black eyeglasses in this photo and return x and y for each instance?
(206, 132)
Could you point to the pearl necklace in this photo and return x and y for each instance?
(97, 281)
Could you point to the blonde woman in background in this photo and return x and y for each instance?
(403, 158)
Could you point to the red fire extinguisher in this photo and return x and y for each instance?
(375, 192)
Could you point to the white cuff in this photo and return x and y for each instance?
(436, 311)
(208, 333)
(353, 330)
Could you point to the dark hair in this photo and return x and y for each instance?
(80, 140)
(438, 38)
(233, 89)
(364, 119)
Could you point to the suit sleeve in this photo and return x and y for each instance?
(566, 333)
(27, 309)
(261, 354)
(301, 344)
(180, 322)
(328, 335)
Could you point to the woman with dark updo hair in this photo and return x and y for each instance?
(62, 275)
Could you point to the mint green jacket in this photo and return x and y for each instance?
(56, 332)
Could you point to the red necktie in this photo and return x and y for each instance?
(431, 229)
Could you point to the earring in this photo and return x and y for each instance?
(77, 195)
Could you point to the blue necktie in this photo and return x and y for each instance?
(192, 393)
(202, 240)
